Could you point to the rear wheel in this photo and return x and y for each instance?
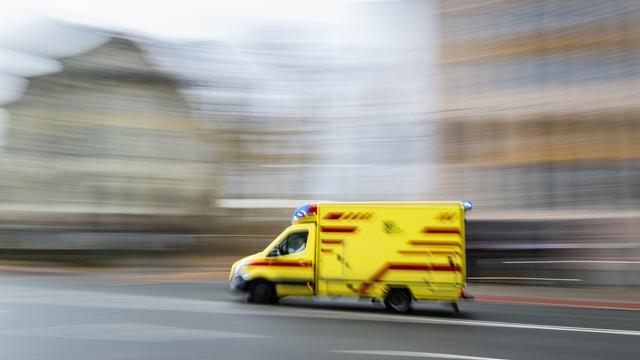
(398, 300)
(262, 292)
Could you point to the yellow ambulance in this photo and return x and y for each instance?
(395, 252)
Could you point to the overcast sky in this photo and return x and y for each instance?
(174, 19)
(30, 40)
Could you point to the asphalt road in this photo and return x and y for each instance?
(77, 318)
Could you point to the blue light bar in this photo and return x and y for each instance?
(299, 213)
(467, 205)
(304, 211)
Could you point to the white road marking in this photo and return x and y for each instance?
(519, 278)
(571, 262)
(152, 303)
(413, 354)
(125, 332)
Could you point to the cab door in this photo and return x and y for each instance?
(291, 261)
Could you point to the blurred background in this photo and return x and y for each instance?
(184, 133)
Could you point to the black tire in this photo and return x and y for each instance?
(398, 300)
(262, 292)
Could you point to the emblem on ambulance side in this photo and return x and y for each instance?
(391, 227)
(446, 217)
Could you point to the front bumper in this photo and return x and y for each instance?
(238, 284)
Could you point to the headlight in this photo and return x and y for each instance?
(240, 271)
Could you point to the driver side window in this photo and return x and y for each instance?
(294, 243)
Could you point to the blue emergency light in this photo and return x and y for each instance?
(304, 211)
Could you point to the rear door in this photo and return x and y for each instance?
(337, 229)
(331, 266)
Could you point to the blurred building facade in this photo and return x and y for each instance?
(108, 143)
(526, 107)
(309, 112)
(518, 105)
(540, 107)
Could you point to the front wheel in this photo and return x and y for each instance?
(398, 300)
(262, 292)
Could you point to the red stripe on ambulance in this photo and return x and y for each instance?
(281, 263)
(338, 229)
(435, 243)
(332, 241)
(333, 216)
(441, 230)
(406, 267)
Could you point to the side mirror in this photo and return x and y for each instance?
(274, 252)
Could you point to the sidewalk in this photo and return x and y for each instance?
(598, 298)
